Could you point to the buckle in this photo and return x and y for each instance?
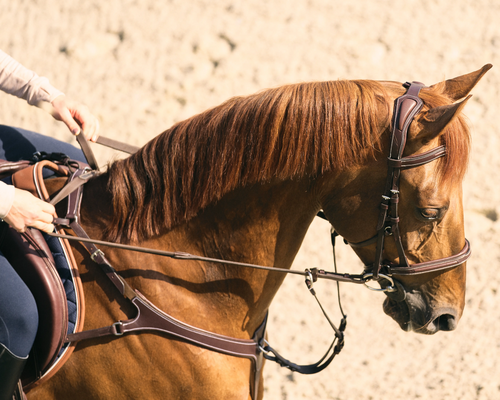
(118, 328)
(95, 254)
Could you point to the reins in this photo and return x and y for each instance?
(313, 273)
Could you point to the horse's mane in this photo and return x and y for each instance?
(282, 133)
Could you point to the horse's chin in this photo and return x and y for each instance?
(410, 318)
(399, 312)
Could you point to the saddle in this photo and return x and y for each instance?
(47, 266)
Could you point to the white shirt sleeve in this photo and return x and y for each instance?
(7, 193)
(21, 82)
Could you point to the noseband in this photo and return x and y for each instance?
(405, 109)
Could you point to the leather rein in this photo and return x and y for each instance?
(150, 318)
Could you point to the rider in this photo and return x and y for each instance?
(20, 209)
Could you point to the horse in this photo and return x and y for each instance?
(243, 181)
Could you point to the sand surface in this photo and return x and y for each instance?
(143, 65)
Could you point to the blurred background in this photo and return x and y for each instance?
(142, 65)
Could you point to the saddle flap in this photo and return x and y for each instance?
(35, 265)
(48, 268)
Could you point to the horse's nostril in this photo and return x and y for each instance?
(445, 322)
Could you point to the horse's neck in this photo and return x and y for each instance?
(263, 224)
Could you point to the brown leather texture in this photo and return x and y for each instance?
(23, 179)
(30, 257)
(7, 168)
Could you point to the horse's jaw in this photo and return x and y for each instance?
(414, 314)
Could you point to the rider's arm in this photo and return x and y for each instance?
(7, 198)
(20, 209)
(21, 82)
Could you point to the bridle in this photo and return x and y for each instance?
(406, 108)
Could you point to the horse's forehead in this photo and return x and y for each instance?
(425, 187)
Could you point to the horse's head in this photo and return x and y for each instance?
(424, 214)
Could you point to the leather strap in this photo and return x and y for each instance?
(405, 109)
(151, 318)
(417, 159)
(434, 265)
(87, 151)
(7, 168)
(115, 144)
(72, 185)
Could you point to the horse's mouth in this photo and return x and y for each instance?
(399, 312)
(411, 318)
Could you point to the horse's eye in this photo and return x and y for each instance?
(430, 214)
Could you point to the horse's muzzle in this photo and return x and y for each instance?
(416, 316)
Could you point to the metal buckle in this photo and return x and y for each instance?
(95, 254)
(118, 331)
(87, 174)
(392, 288)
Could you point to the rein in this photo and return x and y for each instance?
(313, 274)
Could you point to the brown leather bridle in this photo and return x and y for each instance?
(406, 108)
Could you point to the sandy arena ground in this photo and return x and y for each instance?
(142, 65)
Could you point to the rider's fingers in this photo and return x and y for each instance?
(63, 113)
(90, 124)
(47, 208)
(27, 210)
(43, 222)
(75, 115)
(43, 226)
(44, 218)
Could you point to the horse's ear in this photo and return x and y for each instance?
(459, 87)
(434, 121)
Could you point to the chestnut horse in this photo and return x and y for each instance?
(242, 182)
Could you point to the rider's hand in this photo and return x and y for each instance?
(27, 210)
(75, 115)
